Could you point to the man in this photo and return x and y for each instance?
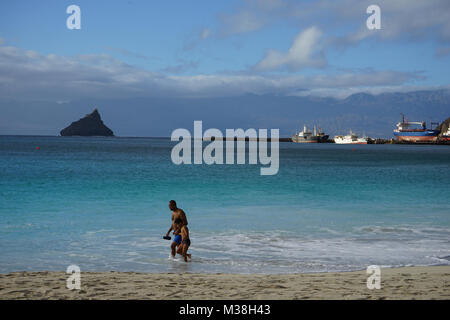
(177, 213)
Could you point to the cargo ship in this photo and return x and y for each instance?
(415, 132)
(307, 136)
(351, 138)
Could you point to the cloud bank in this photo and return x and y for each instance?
(29, 75)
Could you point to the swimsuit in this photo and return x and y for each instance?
(187, 242)
(177, 239)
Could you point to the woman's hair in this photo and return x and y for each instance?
(178, 220)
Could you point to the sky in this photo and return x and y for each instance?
(128, 49)
(213, 47)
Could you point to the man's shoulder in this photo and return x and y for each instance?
(178, 213)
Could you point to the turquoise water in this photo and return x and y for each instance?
(101, 203)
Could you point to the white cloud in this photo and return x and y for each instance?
(252, 16)
(29, 75)
(63, 101)
(416, 19)
(128, 53)
(306, 51)
(343, 22)
(205, 33)
(181, 67)
(242, 22)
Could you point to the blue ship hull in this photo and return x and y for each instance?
(417, 136)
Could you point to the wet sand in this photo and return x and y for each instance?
(396, 283)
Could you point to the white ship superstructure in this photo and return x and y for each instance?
(351, 138)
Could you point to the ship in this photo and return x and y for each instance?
(414, 131)
(351, 138)
(307, 136)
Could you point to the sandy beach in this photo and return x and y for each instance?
(396, 283)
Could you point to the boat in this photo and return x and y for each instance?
(414, 131)
(306, 136)
(351, 138)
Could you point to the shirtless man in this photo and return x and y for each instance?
(177, 213)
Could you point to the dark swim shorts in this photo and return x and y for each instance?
(177, 239)
(187, 242)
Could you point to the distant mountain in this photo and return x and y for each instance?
(374, 115)
(90, 125)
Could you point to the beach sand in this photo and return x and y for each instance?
(396, 283)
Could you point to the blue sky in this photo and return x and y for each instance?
(223, 47)
(132, 55)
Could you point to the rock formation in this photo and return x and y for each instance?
(90, 125)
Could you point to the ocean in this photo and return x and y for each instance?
(102, 204)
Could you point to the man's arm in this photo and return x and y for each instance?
(171, 227)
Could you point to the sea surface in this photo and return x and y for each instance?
(101, 204)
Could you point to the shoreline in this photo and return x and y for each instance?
(419, 282)
(390, 141)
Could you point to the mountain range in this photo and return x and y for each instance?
(374, 115)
